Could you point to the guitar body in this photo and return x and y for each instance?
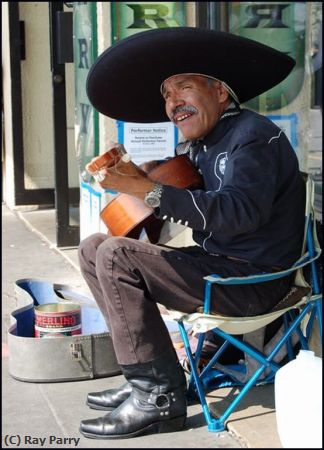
(127, 216)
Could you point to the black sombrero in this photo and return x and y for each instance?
(124, 82)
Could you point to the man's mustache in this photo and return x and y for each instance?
(184, 109)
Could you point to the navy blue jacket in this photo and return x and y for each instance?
(252, 204)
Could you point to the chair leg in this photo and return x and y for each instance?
(302, 339)
(218, 424)
(212, 424)
(288, 343)
(319, 316)
(215, 358)
(316, 315)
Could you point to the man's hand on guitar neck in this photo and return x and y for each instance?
(115, 170)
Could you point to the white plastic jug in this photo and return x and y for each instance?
(298, 400)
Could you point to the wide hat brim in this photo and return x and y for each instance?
(124, 82)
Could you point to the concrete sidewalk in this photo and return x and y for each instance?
(33, 412)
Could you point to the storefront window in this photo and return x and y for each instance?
(281, 26)
(294, 104)
(315, 161)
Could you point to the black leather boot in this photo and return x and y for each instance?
(109, 399)
(156, 404)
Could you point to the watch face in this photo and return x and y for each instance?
(152, 200)
(153, 197)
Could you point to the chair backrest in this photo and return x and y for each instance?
(311, 249)
(260, 361)
(240, 325)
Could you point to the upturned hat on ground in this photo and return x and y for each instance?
(124, 82)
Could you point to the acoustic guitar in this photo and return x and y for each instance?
(128, 216)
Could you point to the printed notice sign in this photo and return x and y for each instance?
(147, 142)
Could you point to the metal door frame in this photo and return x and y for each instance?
(212, 15)
(61, 196)
(66, 234)
(23, 196)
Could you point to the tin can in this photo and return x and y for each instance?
(57, 320)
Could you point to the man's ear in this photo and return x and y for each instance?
(223, 94)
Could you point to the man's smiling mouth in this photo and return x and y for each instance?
(182, 113)
(181, 117)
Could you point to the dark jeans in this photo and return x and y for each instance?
(129, 277)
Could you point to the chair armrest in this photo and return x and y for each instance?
(251, 279)
(263, 277)
(305, 260)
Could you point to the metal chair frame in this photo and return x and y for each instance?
(308, 309)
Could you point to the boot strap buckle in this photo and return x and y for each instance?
(162, 401)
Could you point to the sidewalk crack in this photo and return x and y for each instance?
(52, 408)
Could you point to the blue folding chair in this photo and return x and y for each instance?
(301, 310)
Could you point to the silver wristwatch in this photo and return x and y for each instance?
(153, 197)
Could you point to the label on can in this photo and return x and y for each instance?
(57, 320)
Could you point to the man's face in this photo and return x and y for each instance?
(194, 104)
